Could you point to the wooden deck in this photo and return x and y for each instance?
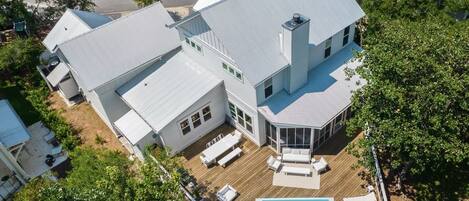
(250, 176)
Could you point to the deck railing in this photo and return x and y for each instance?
(382, 195)
(8, 187)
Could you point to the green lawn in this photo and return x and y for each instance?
(24, 109)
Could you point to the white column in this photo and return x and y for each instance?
(10, 162)
(311, 147)
(277, 132)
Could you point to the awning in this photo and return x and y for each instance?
(58, 74)
(132, 127)
(12, 129)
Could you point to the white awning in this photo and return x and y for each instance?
(58, 74)
(132, 127)
(12, 129)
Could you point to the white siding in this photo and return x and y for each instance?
(317, 52)
(172, 135)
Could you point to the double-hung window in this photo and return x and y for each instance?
(196, 120)
(327, 50)
(346, 36)
(206, 113)
(185, 127)
(268, 90)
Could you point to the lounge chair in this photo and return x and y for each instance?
(227, 193)
(273, 163)
(320, 165)
(56, 151)
(49, 137)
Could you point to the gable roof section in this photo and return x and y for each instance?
(12, 129)
(256, 26)
(120, 46)
(72, 24)
(161, 93)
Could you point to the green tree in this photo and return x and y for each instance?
(13, 11)
(19, 57)
(417, 103)
(143, 3)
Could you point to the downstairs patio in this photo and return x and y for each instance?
(251, 177)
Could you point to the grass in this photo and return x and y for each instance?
(23, 107)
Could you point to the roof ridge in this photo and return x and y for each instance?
(111, 22)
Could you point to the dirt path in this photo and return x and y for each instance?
(83, 118)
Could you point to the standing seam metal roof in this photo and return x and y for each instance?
(161, 93)
(250, 29)
(12, 129)
(120, 46)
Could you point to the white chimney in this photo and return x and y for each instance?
(295, 48)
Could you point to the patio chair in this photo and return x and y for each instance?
(49, 137)
(56, 151)
(227, 193)
(273, 163)
(320, 165)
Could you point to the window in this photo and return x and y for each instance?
(185, 127)
(196, 120)
(268, 90)
(232, 110)
(232, 71)
(206, 113)
(327, 51)
(346, 36)
(193, 45)
(248, 120)
(241, 117)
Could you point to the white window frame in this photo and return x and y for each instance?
(199, 119)
(194, 45)
(346, 35)
(243, 117)
(209, 113)
(188, 126)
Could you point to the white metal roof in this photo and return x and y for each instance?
(72, 24)
(250, 29)
(201, 4)
(325, 95)
(120, 46)
(59, 72)
(160, 94)
(12, 129)
(133, 127)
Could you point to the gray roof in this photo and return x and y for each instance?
(160, 94)
(72, 24)
(120, 46)
(325, 95)
(250, 29)
(12, 129)
(59, 72)
(92, 19)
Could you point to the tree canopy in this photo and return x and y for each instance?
(105, 175)
(21, 55)
(143, 3)
(12, 11)
(416, 101)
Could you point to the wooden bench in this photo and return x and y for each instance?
(236, 152)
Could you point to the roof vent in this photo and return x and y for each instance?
(297, 18)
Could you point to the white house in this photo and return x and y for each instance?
(274, 69)
(23, 151)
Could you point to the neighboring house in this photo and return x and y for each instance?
(274, 69)
(23, 151)
(73, 23)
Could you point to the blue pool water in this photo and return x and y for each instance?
(295, 199)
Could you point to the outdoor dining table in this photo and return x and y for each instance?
(211, 153)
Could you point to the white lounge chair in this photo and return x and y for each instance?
(56, 151)
(49, 137)
(227, 193)
(369, 197)
(320, 165)
(273, 163)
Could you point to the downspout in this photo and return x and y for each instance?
(10, 162)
